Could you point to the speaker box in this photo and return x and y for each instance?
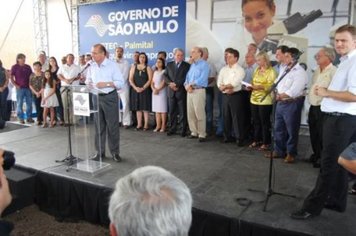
(22, 188)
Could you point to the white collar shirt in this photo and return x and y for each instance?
(107, 71)
(343, 80)
(124, 67)
(231, 75)
(294, 83)
(69, 72)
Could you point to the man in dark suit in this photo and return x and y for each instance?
(175, 74)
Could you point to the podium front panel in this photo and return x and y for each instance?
(85, 120)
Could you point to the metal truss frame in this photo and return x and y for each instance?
(40, 26)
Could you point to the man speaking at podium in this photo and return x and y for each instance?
(105, 75)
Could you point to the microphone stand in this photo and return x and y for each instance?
(70, 159)
(270, 192)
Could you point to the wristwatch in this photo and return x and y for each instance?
(108, 85)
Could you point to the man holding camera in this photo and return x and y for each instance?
(5, 197)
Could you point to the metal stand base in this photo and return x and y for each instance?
(69, 159)
(90, 166)
(269, 193)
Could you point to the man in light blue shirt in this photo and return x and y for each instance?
(195, 84)
(105, 75)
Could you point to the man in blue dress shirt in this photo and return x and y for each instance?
(105, 75)
(195, 84)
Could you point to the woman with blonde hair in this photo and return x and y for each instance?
(263, 79)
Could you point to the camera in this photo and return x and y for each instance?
(9, 160)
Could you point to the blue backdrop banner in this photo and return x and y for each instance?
(137, 25)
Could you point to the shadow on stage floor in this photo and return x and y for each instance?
(216, 173)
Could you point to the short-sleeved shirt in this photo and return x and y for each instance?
(36, 82)
(21, 74)
(294, 83)
(69, 72)
(266, 79)
(343, 80)
(321, 79)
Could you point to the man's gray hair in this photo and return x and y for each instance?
(329, 52)
(151, 201)
(175, 50)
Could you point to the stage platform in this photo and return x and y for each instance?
(216, 173)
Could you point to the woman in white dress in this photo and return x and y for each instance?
(159, 96)
(49, 99)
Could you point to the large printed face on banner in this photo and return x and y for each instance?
(137, 25)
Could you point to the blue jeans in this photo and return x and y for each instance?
(21, 94)
(286, 127)
(220, 124)
(209, 109)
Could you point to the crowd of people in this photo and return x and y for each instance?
(181, 94)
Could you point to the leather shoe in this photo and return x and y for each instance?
(273, 155)
(242, 143)
(316, 164)
(312, 158)
(201, 139)
(301, 215)
(352, 191)
(116, 157)
(170, 133)
(97, 156)
(333, 207)
(289, 159)
(228, 140)
(192, 136)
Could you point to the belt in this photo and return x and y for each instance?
(337, 114)
(291, 100)
(105, 94)
(234, 93)
(198, 87)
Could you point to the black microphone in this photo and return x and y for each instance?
(9, 160)
(86, 67)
